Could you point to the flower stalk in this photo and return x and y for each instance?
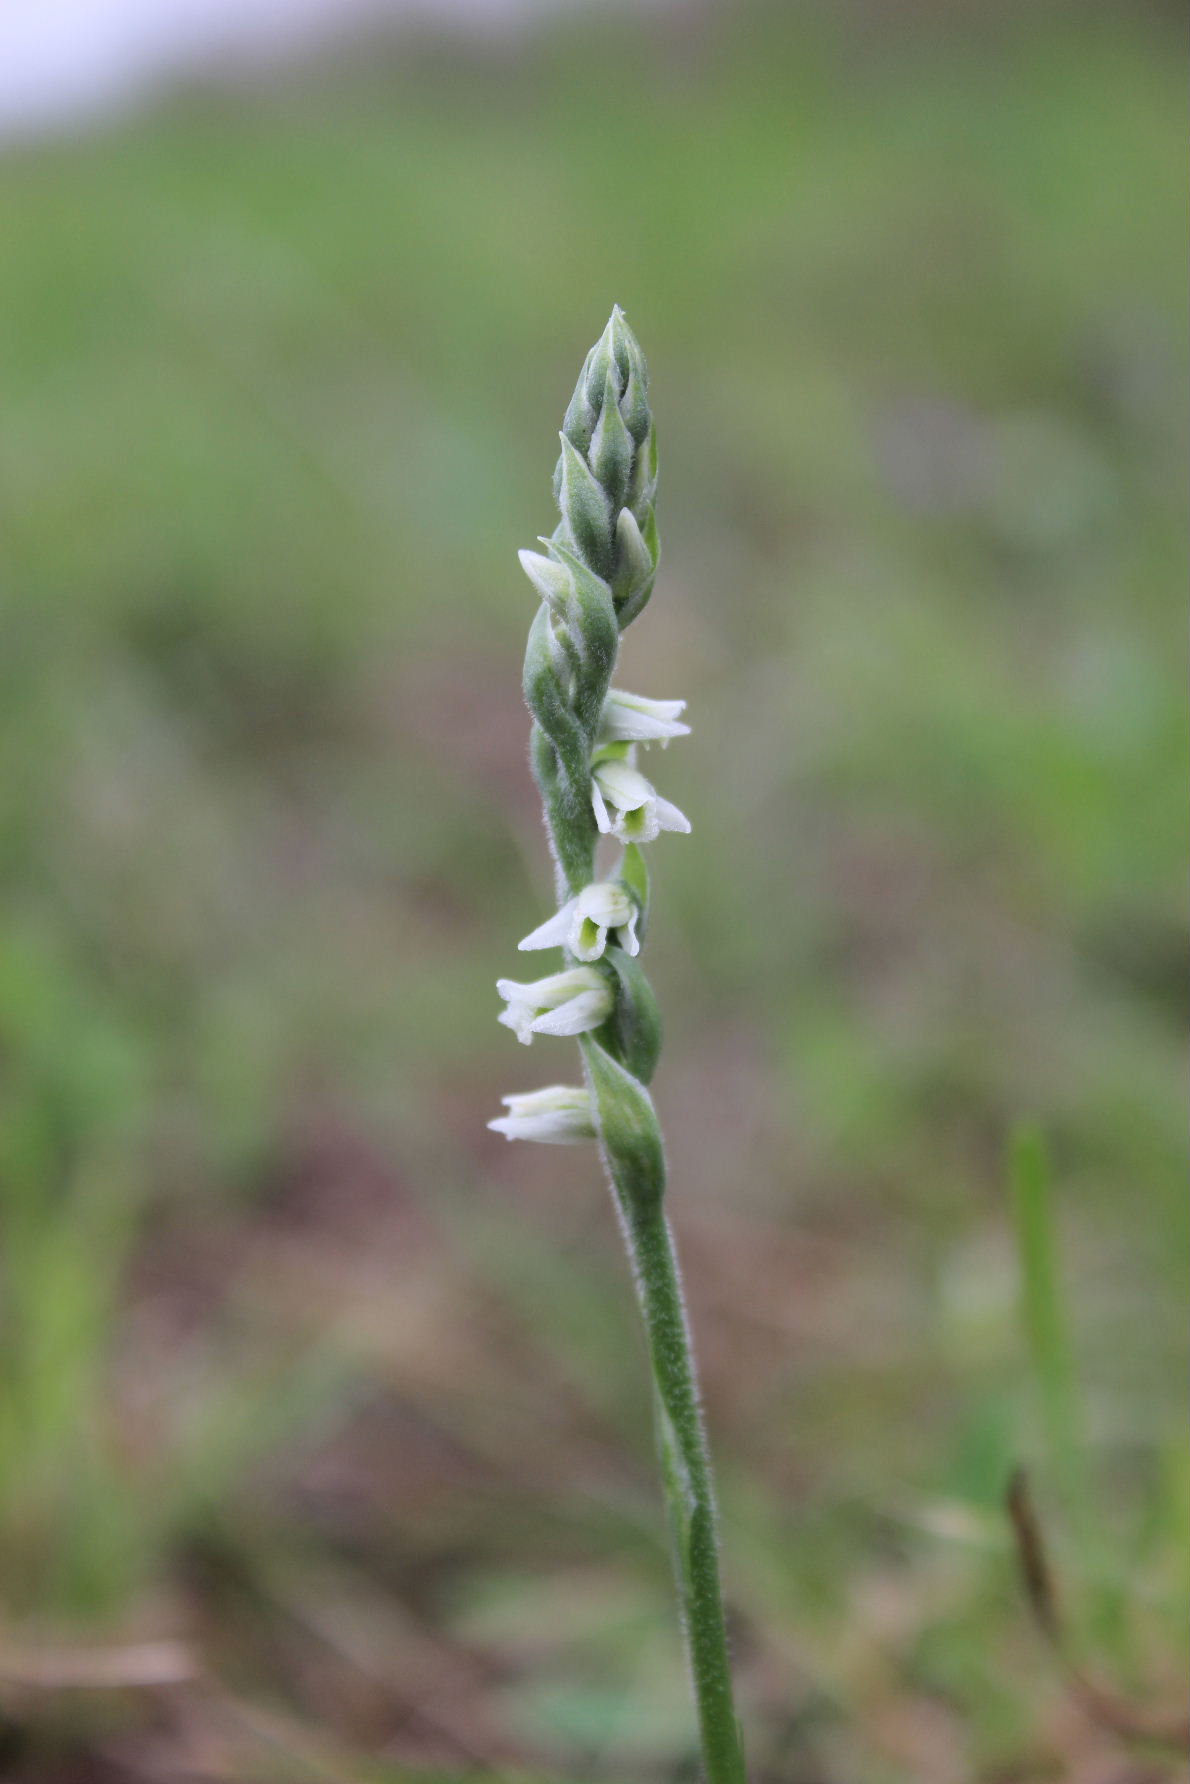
(593, 577)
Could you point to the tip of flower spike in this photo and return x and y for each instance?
(617, 346)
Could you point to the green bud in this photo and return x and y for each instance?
(612, 451)
(624, 348)
(585, 510)
(643, 488)
(546, 700)
(594, 631)
(634, 404)
(599, 366)
(581, 415)
(628, 1130)
(636, 566)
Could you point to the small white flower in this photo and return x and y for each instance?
(584, 923)
(630, 718)
(566, 1003)
(559, 1116)
(628, 806)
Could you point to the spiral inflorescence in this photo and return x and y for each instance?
(594, 576)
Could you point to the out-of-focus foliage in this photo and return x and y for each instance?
(302, 1367)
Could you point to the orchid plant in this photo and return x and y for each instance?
(594, 576)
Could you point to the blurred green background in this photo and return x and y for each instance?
(317, 1399)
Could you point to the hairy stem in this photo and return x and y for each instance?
(681, 1437)
(686, 1473)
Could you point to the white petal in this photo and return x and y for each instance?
(531, 1005)
(667, 710)
(548, 993)
(550, 1096)
(623, 785)
(603, 821)
(519, 1017)
(556, 1130)
(581, 1013)
(631, 718)
(605, 903)
(560, 1114)
(582, 947)
(554, 933)
(559, 986)
(638, 823)
(628, 938)
(669, 817)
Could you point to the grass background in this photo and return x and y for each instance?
(312, 1389)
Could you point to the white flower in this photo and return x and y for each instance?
(583, 924)
(630, 718)
(637, 811)
(565, 1003)
(559, 1115)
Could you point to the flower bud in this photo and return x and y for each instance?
(612, 450)
(585, 510)
(636, 565)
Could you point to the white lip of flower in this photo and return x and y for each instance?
(559, 1115)
(566, 1003)
(631, 718)
(583, 925)
(638, 813)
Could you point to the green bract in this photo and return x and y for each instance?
(592, 579)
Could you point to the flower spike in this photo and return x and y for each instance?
(592, 578)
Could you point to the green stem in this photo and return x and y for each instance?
(681, 1439)
(686, 1474)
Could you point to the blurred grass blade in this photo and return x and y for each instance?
(1043, 1318)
